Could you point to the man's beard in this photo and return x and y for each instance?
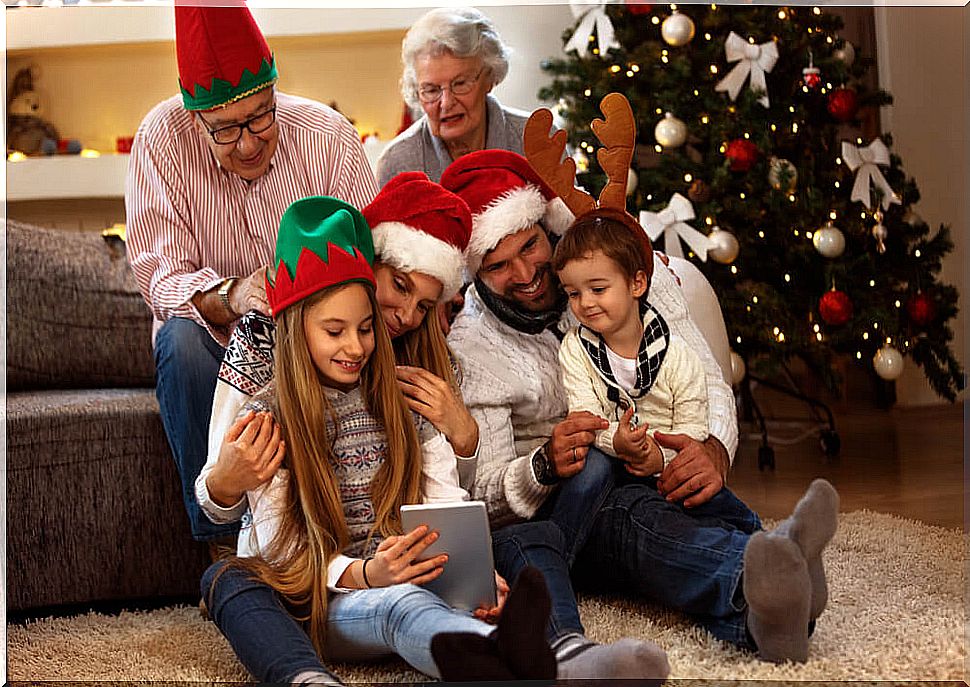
(514, 297)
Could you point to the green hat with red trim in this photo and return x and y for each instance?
(322, 242)
(222, 55)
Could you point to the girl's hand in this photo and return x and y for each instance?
(491, 615)
(251, 453)
(398, 559)
(433, 398)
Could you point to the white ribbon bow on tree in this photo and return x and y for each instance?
(751, 59)
(671, 222)
(864, 161)
(593, 13)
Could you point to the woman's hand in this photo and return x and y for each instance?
(398, 559)
(491, 614)
(251, 453)
(433, 399)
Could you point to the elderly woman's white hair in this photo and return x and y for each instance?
(461, 31)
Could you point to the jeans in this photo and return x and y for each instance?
(553, 538)
(187, 363)
(689, 559)
(361, 625)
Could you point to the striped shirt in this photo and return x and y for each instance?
(192, 224)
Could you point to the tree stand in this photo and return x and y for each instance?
(828, 437)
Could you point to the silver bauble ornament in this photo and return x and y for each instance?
(670, 132)
(888, 363)
(879, 232)
(845, 53)
(677, 29)
(631, 182)
(829, 241)
(725, 246)
(779, 168)
(738, 370)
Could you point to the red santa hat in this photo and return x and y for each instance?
(505, 196)
(419, 226)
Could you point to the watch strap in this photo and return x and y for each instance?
(224, 296)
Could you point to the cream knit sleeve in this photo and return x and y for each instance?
(685, 376)
(580, 388)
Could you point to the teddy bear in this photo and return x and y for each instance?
(27, 129)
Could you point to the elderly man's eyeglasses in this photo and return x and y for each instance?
(463, 85)
(256, 124)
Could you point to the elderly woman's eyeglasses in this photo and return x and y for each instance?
(463, 85)
(256, 124)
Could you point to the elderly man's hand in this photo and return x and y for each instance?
(249, 293)
(698, 471)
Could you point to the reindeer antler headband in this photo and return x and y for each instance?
(618, 132)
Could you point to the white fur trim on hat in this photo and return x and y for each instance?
(412, 250)
(512, 212)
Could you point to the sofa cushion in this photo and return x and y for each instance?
(75, 317)
(93, 501)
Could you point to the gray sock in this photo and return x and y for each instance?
(315, 677)
(777, 589)
(578, 658)
(812, 525)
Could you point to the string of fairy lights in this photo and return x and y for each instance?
(631, 70)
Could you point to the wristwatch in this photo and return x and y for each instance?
(224, 296)
(543, 469)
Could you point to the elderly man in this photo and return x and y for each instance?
(678, 538)
(211, 172)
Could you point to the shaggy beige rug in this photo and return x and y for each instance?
(896, 612)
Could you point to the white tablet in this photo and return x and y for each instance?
(468, 580)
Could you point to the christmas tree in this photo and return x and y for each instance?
(750, 162)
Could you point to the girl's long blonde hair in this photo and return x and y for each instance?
(312, 526)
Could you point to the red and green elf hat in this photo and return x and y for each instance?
(222, 55)
(322, 242)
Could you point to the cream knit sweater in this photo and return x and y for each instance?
(513, 388)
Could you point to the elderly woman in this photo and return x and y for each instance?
(453, 58)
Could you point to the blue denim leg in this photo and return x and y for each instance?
(187, 363)
(574, 505)
(373, 623)
(687, 559)
(540, 544)
(266, 638)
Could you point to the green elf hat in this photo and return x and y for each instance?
(322, 242)
(222, 55)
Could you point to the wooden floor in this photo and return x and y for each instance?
(907, 461)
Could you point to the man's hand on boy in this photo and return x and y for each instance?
(698, 471)
(569, 444)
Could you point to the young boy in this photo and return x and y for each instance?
(622, 363)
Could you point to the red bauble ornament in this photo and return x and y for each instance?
(742, 153)
(639, 7)
(811, 77)
(835, 308)
(843, 104)
(921, 309)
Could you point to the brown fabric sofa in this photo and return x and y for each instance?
(93, 505)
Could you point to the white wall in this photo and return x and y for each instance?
(923, 63)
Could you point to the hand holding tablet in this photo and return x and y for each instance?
(467, 582)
